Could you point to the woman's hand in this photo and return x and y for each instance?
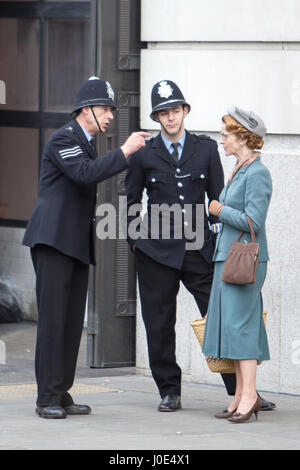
(215, 208)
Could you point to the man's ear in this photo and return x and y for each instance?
(185, 110)
(155, 115)
(85, 110)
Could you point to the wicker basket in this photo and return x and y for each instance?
(215, 364)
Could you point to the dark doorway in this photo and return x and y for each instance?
(112, 308)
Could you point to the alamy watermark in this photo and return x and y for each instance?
(160, 222)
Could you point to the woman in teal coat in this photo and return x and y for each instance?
(234, 323)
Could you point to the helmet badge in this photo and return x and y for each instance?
(110, 91)
(165, 90)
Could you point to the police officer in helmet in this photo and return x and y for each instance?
(178, 169)
(60, 235)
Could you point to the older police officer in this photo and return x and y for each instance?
(60, 234)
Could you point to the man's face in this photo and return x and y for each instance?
(171, 120)
(103, 114)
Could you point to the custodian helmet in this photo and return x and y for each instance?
(166, 95)
(95, 92)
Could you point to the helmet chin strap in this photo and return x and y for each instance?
(95, 119)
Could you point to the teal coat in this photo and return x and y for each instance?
(248, 194)
(234, 326)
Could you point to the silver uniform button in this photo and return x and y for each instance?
(179, 185)
(181, 197)
(177, 170)
(153, 180)
(202, 176)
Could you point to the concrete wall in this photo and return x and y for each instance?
(217, 20)
(220, 54)
(265, 80)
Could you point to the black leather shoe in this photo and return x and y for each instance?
(266, 405)
(77, 409)
(170, 403)
(51, 412)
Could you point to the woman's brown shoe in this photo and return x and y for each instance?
(225, 414)
(243, 418)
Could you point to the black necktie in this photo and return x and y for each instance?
(175, 154)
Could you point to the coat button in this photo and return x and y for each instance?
(153, 180)
(202, 176)
(177, 170)
(179, 185)
(181, 197)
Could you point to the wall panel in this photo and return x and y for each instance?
(211, 80)
(217, 20)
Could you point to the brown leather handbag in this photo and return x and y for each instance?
(242, 260)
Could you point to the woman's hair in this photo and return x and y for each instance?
(253, 141)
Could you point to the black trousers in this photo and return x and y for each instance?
(158, 287)
(61, 288)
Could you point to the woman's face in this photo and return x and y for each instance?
(231, 142)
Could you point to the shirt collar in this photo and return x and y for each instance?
(168, 143)
(86, 133)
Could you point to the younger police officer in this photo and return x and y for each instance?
(61, 239)
(181, 174)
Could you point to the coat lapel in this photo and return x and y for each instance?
(161, 151)
(238, 174)
(227, 187)
(242, 170)
(188, 149)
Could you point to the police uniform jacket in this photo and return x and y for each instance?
(198, 173)
(64, 213)
(249, 193)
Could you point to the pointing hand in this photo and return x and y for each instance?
(134, 142)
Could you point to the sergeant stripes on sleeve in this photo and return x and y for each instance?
(71, 152)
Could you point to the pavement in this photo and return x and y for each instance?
(125, 422)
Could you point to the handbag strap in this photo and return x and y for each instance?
(251, 230)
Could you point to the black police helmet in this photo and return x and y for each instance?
(94, 92)
(166, 95)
